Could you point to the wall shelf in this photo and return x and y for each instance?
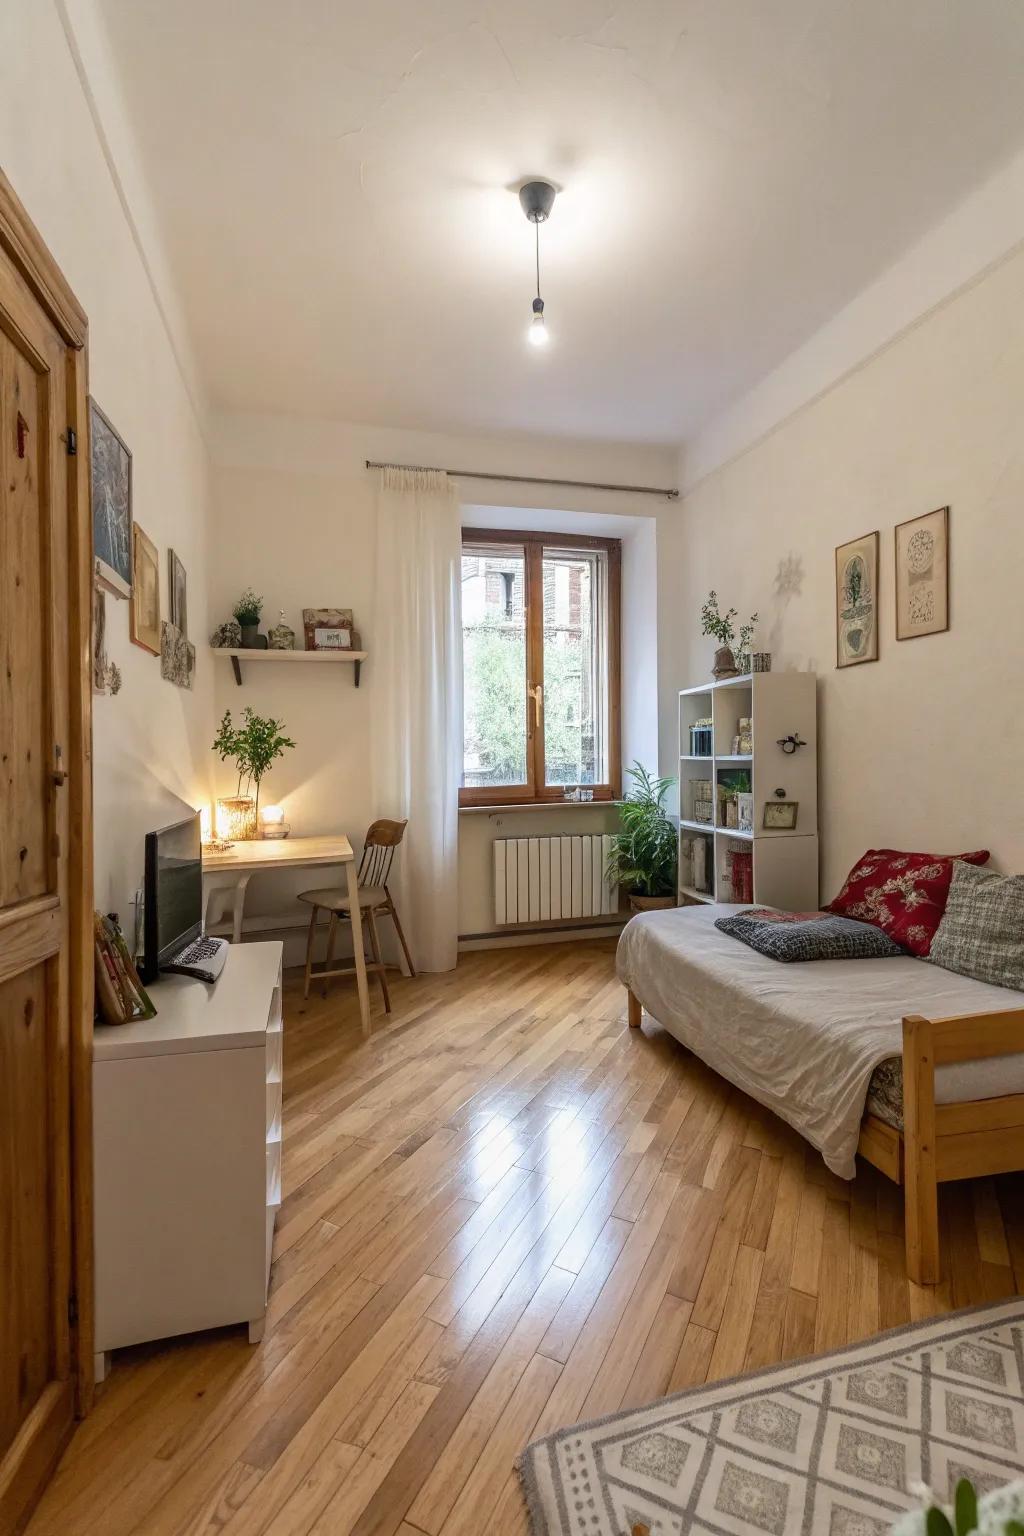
(354, 659)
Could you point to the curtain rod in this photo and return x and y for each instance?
(579, 485)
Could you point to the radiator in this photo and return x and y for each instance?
(540, 879)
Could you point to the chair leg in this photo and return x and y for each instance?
(330, 948)
(309, 949)
(401, 936)
(375, 948)
(636, 1013)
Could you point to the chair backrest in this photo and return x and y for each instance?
(379, 846)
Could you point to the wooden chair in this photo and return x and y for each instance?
(374, 900)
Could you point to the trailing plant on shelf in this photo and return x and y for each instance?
(248, 608)
(252, 746)
(644, 851)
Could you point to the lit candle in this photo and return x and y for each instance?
(272, 822)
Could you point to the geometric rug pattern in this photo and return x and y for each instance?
(823, 1447)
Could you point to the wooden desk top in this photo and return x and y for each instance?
(279, 853)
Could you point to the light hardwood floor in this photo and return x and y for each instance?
(503, 1212)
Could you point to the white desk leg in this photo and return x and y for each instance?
(236, 925)
(357, 945)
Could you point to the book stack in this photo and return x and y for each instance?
(702, 800)
(120, 996)
(741, 875)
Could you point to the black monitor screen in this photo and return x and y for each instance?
(174, 889)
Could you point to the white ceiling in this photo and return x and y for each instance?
(332, 180)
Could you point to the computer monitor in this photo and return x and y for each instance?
(173, 893)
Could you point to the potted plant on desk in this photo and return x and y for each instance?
(253, 746)
(645, 850)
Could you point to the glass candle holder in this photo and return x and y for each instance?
(236, 819)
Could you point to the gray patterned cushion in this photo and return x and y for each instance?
(822, 937)
(982, 930)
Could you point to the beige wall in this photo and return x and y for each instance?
(921, 749)
(293, 517)
(150, 742)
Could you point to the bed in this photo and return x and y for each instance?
(919, 1070)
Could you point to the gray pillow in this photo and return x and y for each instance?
(809, 938)
(981, 934)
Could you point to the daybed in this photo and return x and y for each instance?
(806, 1041)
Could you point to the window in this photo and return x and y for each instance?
(540, 634)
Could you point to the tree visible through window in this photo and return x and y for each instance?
(540, 659)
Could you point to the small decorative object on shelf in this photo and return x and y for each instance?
(761, 661)
(745, 813)
(575, 794)
(741, 874)
(720, 627)
(247, 611)
(236, 819)
(272, 822)
(282, 636)
(227, 637)
(780, 815)
(328, 629)
(701, 738)
(703, 802)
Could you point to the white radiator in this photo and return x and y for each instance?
(537, 879)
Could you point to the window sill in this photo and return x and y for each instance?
(538, 805)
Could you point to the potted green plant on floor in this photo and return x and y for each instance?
(645, 850)
(252, 747)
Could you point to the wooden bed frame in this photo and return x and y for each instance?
(940, 1142)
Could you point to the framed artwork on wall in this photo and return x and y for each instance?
(922, 575)
(177, 592)
(110, 465)
(144, 608)
(857, 601)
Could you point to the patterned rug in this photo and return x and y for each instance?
(823, 1447)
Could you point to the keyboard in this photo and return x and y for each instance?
(204, 959)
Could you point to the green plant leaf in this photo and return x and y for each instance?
(965, 1506)
(936, 1524)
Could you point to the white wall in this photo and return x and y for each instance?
(294, 507)
(921, 749)
(150, 741)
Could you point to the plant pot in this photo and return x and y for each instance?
(725, 662)
(236, 819)
(250, 637)
(650, 903)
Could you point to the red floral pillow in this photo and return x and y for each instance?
(904, 894)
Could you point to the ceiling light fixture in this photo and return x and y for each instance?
(536, 198)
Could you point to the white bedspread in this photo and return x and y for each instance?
(802, 1039)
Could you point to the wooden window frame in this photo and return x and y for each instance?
(535, 791)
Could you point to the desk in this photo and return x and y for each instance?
(232, 868)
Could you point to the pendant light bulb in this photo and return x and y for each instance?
(538, 332)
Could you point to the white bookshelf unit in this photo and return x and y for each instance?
(187, 1136)
(785, 863)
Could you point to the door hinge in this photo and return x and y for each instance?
(72, 443)
(73, 1310)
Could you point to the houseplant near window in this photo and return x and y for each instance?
(645, 850)
(252, 747)
(247, 611)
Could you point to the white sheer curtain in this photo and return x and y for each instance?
(417, 701)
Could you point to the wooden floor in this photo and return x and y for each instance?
(503, 1213)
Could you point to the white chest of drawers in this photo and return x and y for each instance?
(187, 1135)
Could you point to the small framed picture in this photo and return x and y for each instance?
(177, 592)
(144, 606)
(922, 575)
(857, 601)
(780, 815)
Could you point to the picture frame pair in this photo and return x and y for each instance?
(922, 586)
